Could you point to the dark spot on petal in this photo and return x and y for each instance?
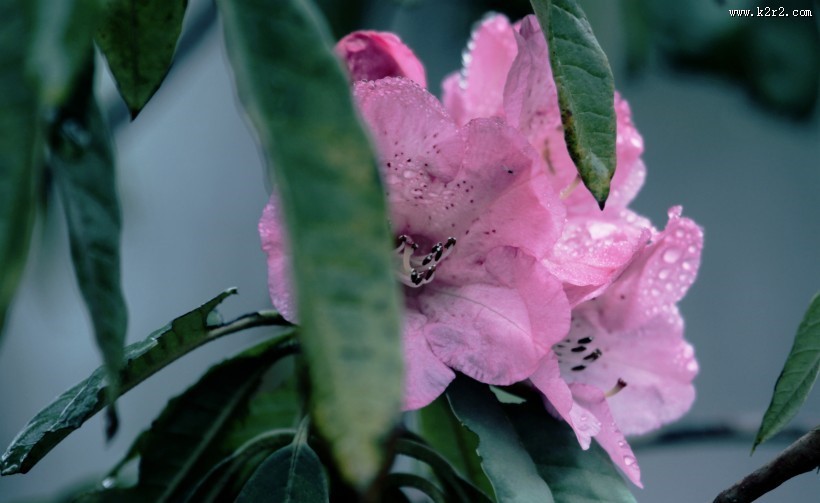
(585, 340)
(578, 349)
(578, 368)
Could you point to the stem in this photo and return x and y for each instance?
(800, 457)
(251, 320)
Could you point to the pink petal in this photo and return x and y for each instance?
(274, 244)
(426, 377)
(558, 395)
(373, 55)
(479, 90)
(656, 363)
(659, 277)
(592, 252)
(610, 437)
(496, 332)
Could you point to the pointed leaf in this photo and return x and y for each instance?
(444, 432)
(797, 377)
(82, 161)
(574, 475)
(74, 407)
(19, 151)
(192, 421)
(138, 39)
(62, 45)
(505, 460)
(298, 99)
(586, 92)
(293, 474)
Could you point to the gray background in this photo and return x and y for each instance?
(192, 188)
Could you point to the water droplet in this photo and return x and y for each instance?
(663, 274)
(109, 482)
(671, 255)
(655, 292)
(621, 444)
(629, 461)
(409, 173)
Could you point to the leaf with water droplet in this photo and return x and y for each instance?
(797, 377)
(572, 473)
(586, 92)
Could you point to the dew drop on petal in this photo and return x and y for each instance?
(671, 255)
(663, 274)
(629, 461)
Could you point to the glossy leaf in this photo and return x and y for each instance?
(62, 45)
(82, 162)
(192, 421)
(138, 39)
(293, 474)
(298, 99)
(19, 151)
(573, 474)
(397, 480)
(74, 407)
(444, 432)
(505, 460)
(797, 377)
(586, 92)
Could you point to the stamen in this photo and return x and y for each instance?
(585, 340)
(415, 271)
(621, 384)
(578, 349)
(570, 188)
(594, 355)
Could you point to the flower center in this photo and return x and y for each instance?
(415, 270)
(577, 354)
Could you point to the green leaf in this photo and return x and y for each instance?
(797, 377)
(293, 474)
(397, 480)
(456, 488)
(445, 433)
(74, 407)
(297, 97)
(225, 480)
(505, 460)
(62, 45)
(20, 152)
(192, 421)
(586, 92)
(138, 39)
(573, 474)
(82, 162)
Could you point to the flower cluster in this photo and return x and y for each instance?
(510, 273)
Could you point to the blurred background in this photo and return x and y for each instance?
(728, 110)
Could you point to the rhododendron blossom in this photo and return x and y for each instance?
(474, 216)
(498, 248)
(624, 367)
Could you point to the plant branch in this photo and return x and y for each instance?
(244, 322)
(800, 457)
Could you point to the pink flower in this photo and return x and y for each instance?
(373, 55)
(474, 215)
(624, 366)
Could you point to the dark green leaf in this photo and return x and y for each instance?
(225, 480)
(297, 97)
(586, 92)
(82, 161)
(573, 474)
(505, 460)
(293, 474)
(397, 480)
(62, 45)
(192, 421)
(445, 433)
(797, 377)
(19, 150)
(138, 39)
(456, 488)
(71, 409)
